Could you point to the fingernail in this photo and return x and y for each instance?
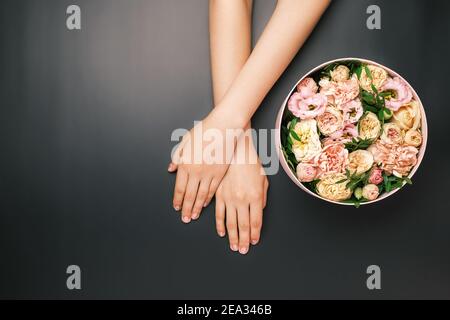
(206, 204)
(177, 208)
(170, 167)
(195, 216)
(243, 250)
(186, 219)
(221, 234)
(234, 247)
(254, 242)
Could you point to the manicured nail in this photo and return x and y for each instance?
(221, 234)
(254, 242)
(243, 250)
(234, 247)
(177, 208)
(194, 216)
(170, 168)
(206, 204)
(186, 219)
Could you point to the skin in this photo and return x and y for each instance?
(251, 79)
(241, 195)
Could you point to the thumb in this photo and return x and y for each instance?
(172, 167)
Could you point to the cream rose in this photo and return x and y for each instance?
(309, 144)
(330, 121)
(379, 77)
(341, 73)
(360, 161)
(408, 116)
(392, 134)
(330, 189)
(369, 126)
(370, 192)
(413, 138)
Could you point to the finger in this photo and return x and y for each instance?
(189, 198)
(220, 217)
(232, 228)
(266, 188)
(176, 156)
(172, 167)
(212, 190)
(256, 218)
(244, 229)
(202, 193)
(180, 189)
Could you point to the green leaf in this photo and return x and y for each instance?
(368, 73)
(368, 97)
(369, 108)
(289, 140)
(293, 124)
(312, 185)
(295, 135)
(408, 180)
(358, 71)
(358, 144)
(381, 115)
(374, 89)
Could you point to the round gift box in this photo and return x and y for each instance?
(283, 110)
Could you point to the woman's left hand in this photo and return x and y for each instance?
(240, 200)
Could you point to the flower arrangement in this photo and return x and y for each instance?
(352, 132)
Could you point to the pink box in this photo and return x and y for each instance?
(287, 169)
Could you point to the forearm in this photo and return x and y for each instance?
(287, 30)
(230, 42)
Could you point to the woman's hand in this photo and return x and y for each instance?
(201, 161)
(240, 200)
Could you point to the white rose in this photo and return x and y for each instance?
(309, 144)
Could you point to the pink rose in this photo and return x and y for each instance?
(332, 159)
(376, 176)
(308, 108)
(402, 93)
(343, 136)
(307, 88)
(330, 121)
(394, 157)
(342, 92)
(353, 111)
(306, 172)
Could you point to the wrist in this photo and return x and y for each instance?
(231, 117)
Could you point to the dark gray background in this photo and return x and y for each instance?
(85, 124)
